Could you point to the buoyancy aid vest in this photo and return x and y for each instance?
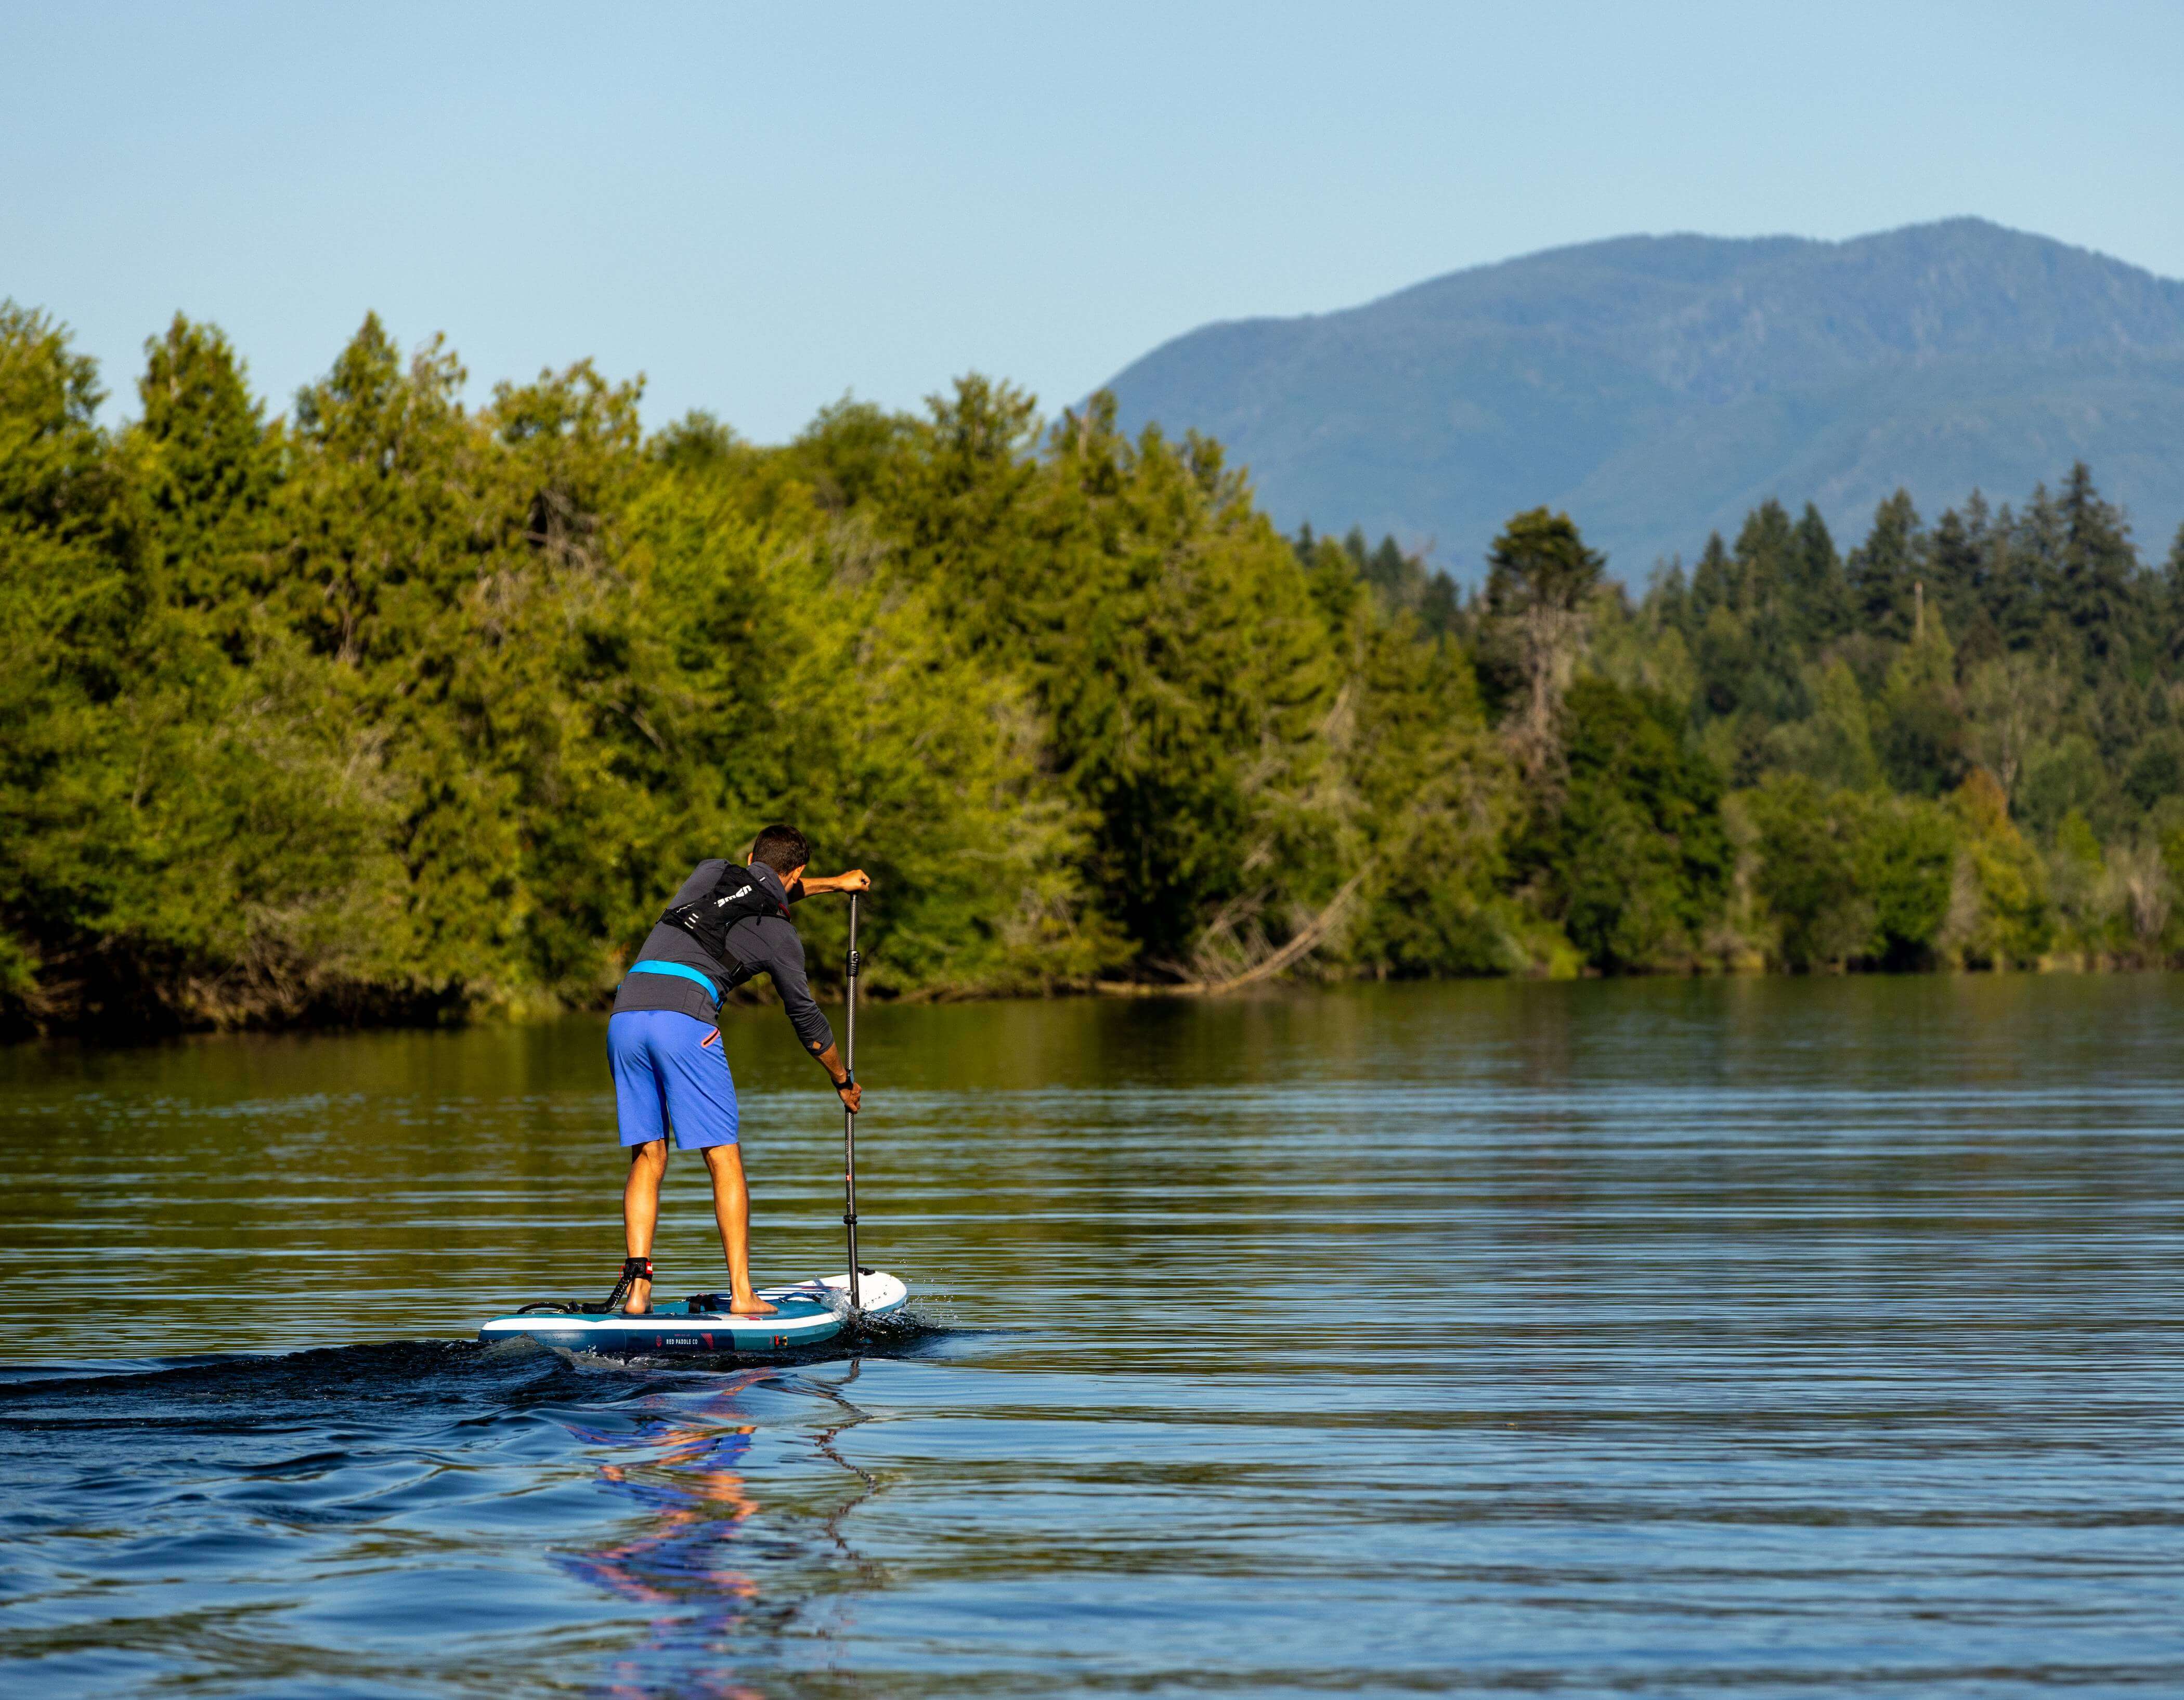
(737, 897)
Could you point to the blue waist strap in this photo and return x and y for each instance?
(681, 971)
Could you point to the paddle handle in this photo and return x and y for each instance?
(849, 1116)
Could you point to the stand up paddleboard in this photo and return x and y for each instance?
(807, 1314)
(702, 1324)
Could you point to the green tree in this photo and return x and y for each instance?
(1833, 745)
(1716, 584)
(1906, 866)
(183, 843)
(63, 611)
(1809, 854)
(1922, 733)
(2028, 576)
(1848, 878)
(2096, 589)
(2171, 601)
(2016, 702)
(2001, 916)
(1766, 555)
(1885, 569)
(1635, 862)
(205, 472)
(1818, 592)
(1541, 576)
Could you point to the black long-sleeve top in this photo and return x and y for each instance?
(768, 945)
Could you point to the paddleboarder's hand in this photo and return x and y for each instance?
(852, 1094)
(857, 880)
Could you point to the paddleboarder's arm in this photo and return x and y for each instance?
(770, 946)
(852, 1096)
(857, 880)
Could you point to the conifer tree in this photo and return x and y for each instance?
(1669, 597)
(2172, 598)
(1957, 565)
(1967, 554)
(2030, 587)
(1714, 581)
(1765, 547)
(1885, 569)
(2096, 591)
(65, 620)
(1541, 576)
(1922, 733)
(207, 473)
(1820, 592)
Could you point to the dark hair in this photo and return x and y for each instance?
(782, 848)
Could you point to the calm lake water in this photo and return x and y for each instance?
(1780, 1337)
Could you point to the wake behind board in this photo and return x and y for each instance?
(806, 1314)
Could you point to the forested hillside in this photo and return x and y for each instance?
(392, 709)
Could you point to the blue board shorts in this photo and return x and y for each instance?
(671, 1072)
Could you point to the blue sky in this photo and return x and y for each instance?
(763, 209)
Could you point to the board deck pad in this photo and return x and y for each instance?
(806, 1314)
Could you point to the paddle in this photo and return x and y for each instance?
(849, 1117)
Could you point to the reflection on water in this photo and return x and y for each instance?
(690, 1502)
(681, 1561)
(1791, 1337)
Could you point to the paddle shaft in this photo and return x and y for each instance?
(849, 1116)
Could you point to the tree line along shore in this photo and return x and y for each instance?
(395, 710)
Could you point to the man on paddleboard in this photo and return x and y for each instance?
(671, 1072)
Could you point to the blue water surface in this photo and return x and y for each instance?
(1786, 1338)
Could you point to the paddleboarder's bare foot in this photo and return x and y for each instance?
(750, 1304)
(640, 1300)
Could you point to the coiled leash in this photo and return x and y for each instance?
(632, 1269)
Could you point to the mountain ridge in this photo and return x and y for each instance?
(1658, 387)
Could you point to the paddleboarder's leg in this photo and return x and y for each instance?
(732, 1209)
(640, 1214)
(641, 1115)
(701, 1104)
